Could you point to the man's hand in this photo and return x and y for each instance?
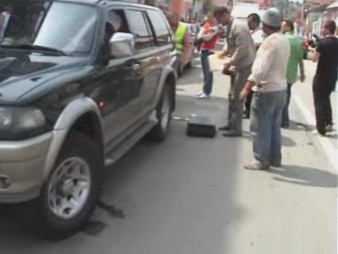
(224, 54)
(227, 64)
(244, 94)
(220, 56)
(246, 90)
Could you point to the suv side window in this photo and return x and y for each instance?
(162, 30)
(139, 26)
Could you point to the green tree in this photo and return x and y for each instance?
(287, 8)
(207, 6)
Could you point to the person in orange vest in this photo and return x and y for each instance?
(182, 39)
(208, 35)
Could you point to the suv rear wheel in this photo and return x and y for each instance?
(163, 114)
(70, 193)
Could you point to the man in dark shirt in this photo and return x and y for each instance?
(326, 76)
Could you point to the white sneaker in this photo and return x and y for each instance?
(203, 96)
(199, 93)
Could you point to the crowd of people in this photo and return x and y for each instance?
(263, 61)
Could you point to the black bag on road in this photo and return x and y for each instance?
(201, 126)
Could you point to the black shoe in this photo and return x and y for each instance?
(246, 114)
(230, 134)
(276, 164)
(329, 128)
(285, 123)
(225, 128)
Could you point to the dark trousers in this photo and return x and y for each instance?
(323, 108)
(285, 118)
(247, 104)
(235, 109)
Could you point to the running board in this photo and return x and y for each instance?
(128, 143)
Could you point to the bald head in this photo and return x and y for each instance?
(173, 19)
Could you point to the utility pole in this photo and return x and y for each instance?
(304, 16)
(286, 9)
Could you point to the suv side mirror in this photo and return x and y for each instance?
(121, 45)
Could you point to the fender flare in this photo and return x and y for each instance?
(62, 127)
(167, 71)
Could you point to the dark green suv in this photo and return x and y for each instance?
(81, 81)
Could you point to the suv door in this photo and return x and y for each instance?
(148, 56)
(118, 82)
(163, 42)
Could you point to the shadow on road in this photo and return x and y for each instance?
(305, 176)
(288, 142)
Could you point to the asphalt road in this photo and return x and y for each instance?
(192, 196)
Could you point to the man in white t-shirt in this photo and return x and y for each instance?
(257, 35)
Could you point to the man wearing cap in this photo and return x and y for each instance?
(242, 51)
(268, 81)
(257, 35)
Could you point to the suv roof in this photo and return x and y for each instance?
(109, 2)
(95, 2)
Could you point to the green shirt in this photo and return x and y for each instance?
(296, 54)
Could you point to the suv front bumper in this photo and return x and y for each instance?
(22, 168)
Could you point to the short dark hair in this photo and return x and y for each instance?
(220, 10)
(290, 24)
(331, 25)
(274, 29)
(255, 17)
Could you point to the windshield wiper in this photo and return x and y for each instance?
(36, 47)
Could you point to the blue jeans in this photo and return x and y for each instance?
(207, 74)
(285, 118)
(266, 118)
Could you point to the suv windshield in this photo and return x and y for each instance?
(55, 26)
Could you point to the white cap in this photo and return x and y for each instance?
(272, 17)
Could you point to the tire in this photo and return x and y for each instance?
(60, 217)
(163, 115)
(180, 70)
(189, 65)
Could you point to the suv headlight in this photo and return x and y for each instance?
(20, 122)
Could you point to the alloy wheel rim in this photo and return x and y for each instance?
(69, 188)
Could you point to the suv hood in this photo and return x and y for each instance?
(22, 72)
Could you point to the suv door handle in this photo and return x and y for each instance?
(136, 67)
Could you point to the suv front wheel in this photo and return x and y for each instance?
(70, 193)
